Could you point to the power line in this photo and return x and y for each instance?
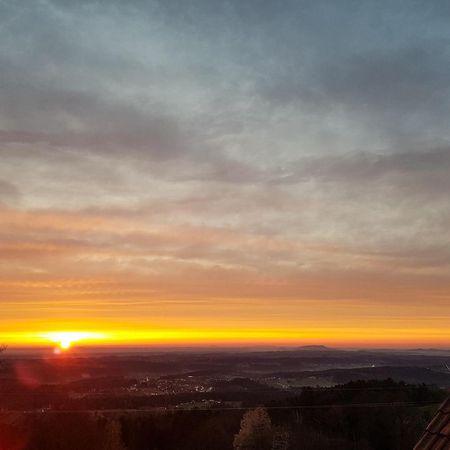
(230, 408)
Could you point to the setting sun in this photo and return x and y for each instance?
(65, 339)
(65, 344)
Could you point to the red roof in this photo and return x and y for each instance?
(437, 435)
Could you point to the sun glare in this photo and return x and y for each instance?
(65, 339)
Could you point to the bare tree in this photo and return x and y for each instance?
(281, 439)
(256, 431)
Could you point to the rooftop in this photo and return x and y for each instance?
(437, 434)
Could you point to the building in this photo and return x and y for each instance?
(437, 434)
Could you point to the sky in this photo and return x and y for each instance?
(208, 172)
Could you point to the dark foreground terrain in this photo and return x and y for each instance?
(305, 398)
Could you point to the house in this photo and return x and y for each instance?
(437, 434)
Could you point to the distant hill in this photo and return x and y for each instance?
(413, 375)
(313, 347)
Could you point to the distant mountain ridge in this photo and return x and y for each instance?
(314, 347)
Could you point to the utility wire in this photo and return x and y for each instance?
(229, 408)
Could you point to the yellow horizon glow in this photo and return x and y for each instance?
(65, 339)
(349, 337)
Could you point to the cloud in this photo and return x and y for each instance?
(427, 167)
(209, 150)
(9, 193)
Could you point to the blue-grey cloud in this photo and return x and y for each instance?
(256, 116)
(9, 193)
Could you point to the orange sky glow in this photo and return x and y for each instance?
(111, 296)
(233, 176)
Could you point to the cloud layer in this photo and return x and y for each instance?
(207, 162)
